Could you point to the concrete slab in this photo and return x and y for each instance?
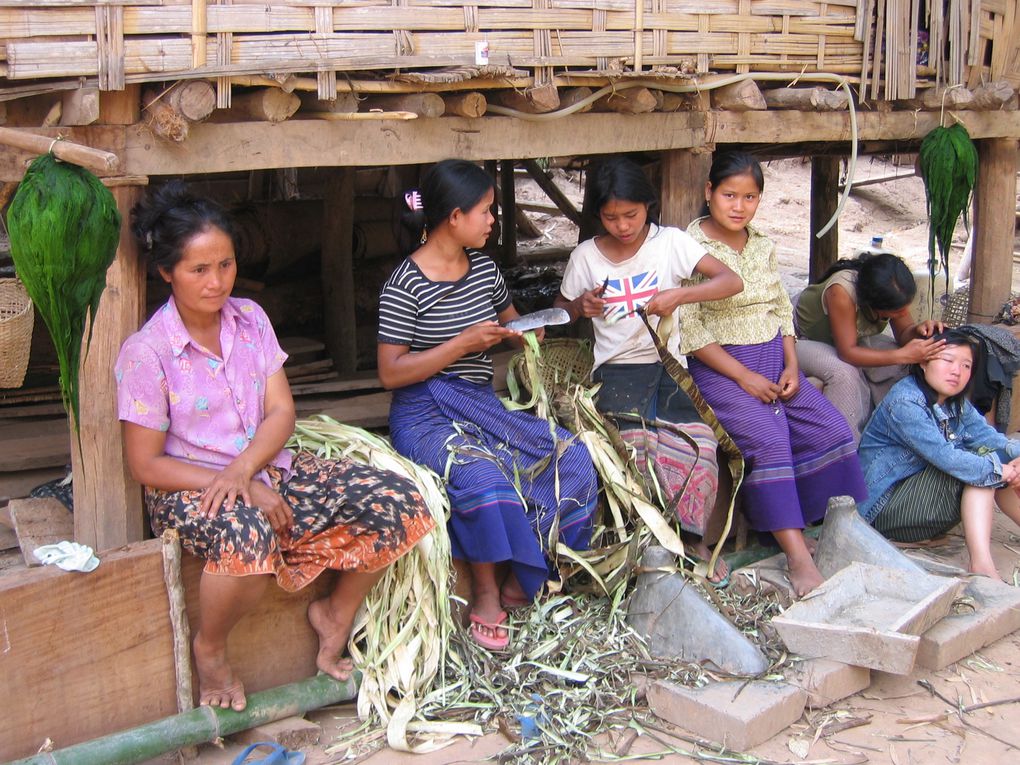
(826, 681)
(868, 616)
(996, 614)
(847, 538)
(735, 714)
(679, 622)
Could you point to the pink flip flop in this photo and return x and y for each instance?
(488, 641)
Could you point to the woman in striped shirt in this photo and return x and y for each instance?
(515, 490)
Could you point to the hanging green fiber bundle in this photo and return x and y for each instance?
(64, 228)
(949, 164)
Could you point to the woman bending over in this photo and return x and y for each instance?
(840, 322)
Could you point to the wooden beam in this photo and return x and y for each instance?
(683, 177)
(228, 147)
(994, 224)
(338, 270)
(107, 501)
(824, 199)
(232, 147)
(545, 181)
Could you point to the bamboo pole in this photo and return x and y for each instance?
(93, 159)
(201, 725)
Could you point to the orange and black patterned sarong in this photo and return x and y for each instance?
(347, 516)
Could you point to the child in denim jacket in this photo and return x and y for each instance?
(931, 460)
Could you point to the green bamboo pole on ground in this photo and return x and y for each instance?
(201, 725)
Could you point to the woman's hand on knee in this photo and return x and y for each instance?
(226, 487)
(272, 505)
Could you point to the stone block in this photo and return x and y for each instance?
(290, 732)
(736, 714)
(826, 682)
(679, 622)
(996, 614)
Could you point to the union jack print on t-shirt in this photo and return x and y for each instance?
(625, 295)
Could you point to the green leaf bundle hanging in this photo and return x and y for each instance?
(64, 227)
(948, 162)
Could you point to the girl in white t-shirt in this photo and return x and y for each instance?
(638, 264)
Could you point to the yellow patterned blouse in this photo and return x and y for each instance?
(752, 316)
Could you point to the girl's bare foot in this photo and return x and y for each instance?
(511, 595)
(984, 568)
(804, 575)
(217, 686)
(722, 569)
(333, 637)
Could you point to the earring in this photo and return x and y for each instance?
(424, 235)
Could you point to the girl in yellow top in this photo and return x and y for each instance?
(798, 449)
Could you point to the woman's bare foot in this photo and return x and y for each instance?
(804, 575)
(333, 637)
(489, 612)
(722, 569)
(217, 686)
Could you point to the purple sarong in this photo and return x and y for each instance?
(797, 454)
(461, 430)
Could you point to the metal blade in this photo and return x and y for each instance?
(543, 318)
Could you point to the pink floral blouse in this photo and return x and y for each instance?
(209, 407)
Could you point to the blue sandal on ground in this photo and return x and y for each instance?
(278, 755)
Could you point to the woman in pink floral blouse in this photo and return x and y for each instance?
(206, 412)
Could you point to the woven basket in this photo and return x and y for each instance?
(16, 319)
(563, 360)
(955, 307)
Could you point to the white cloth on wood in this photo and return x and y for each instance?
(70, 556)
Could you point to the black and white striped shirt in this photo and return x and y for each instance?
(421, 314)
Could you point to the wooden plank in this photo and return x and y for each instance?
(548, 185)
(994, 226)
(338, 270)
(824, 200)
(508, 203)
(40, 521)
(107, 501)
(84, 655)
(34, 444)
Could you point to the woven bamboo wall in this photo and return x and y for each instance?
(121, 41)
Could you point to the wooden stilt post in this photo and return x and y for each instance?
(492, 168)
(508, 199)
(994, 222)
(824, 199)
(682, 185)
(107, 501)
(338, 270)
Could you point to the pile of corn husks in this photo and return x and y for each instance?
(572, 670)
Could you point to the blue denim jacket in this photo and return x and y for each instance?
(905, 435)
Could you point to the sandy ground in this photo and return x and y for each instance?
(908, 724)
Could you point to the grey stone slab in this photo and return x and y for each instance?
(847, 538)
(679, 622)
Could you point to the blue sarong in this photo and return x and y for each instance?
(462, 431)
